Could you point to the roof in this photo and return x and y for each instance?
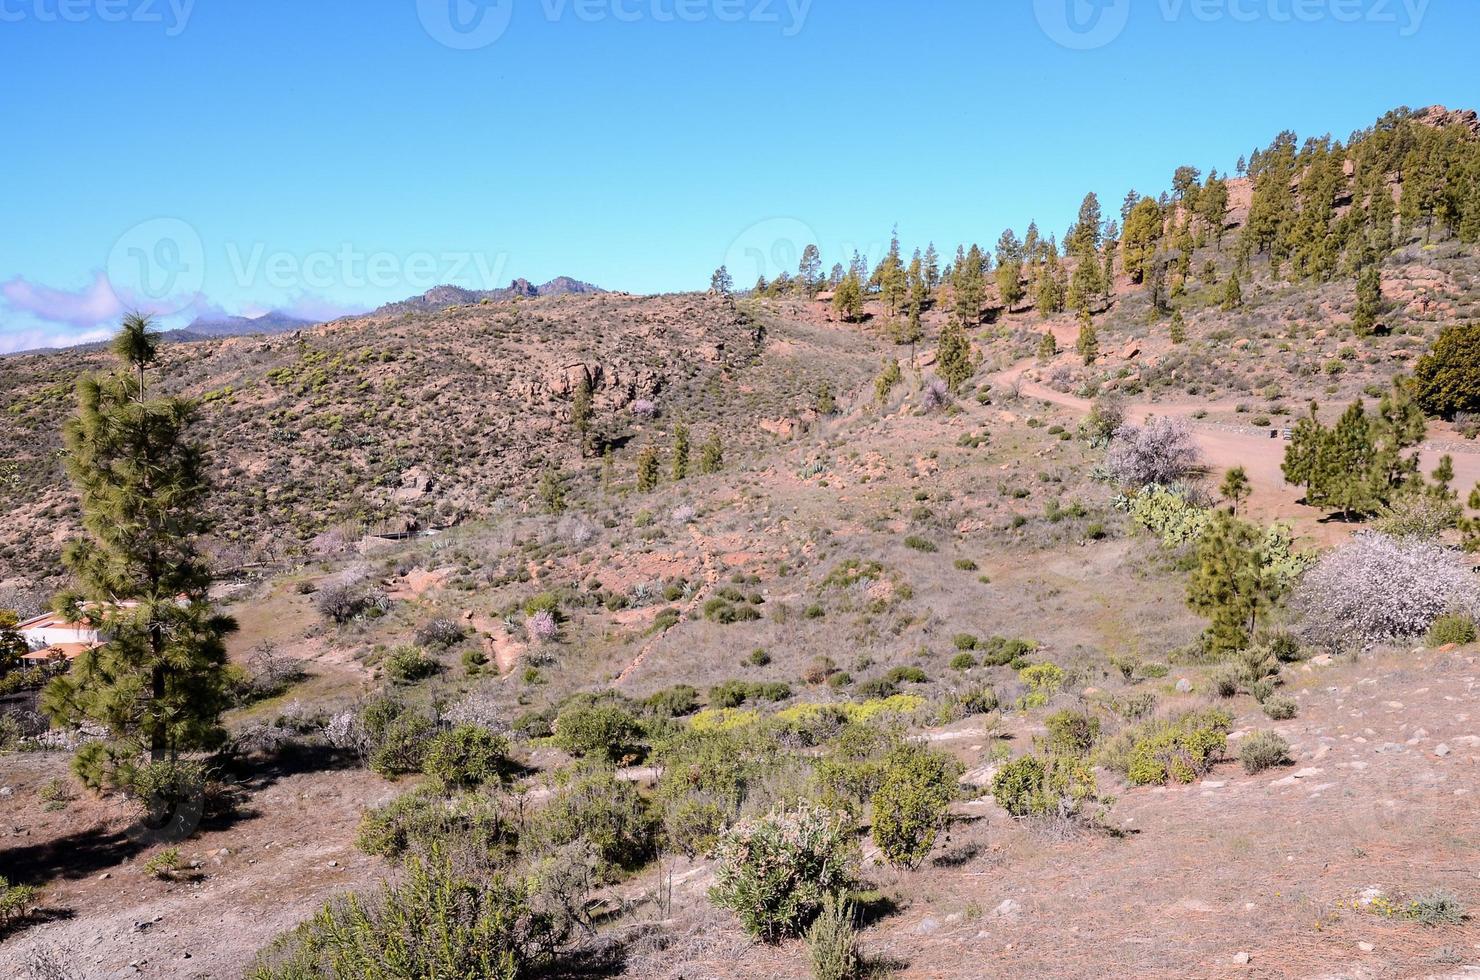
(47, 621)
(69, 650)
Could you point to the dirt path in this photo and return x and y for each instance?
(711, 577)
(1225, 446)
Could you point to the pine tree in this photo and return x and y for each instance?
(552, 491)
(680, 452)
(1048, 293)
(1369, 301)
(12, 645)
(968, 283)
(1302, 455)
(890, 277)
(1143, 229)
(809, 270)
(1179, 327)
(580, 411)
(1048, 347)
(1085, 238)
(1233, 295)
(712, 454)
(1085, 286)
(1088, 344)
(848, 298)
(953, 358)
(721, 283)
(1232, 585)
(159, 684)
(1235, 487)
(647, 470)
(932, 268)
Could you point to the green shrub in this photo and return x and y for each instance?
(906, 675)
(1000, 651)
(1179, 750)
(775, 872)
(433, 922)
(917, 543)
(598, 730)
(167, 790)
(673, 702)
(16, 903)
(732, 694)
(407, 665)
(963, 661)
(966, 565)
(1436, 909)
(424, 821)
(591, 805)
(1043, 681)
(706, 777)
(1281, 707)
(466, 756)
(402, 744)
(164, 864)
(1071, 732)
(1059, 786)
(1458, 630)
(912, 804)
(1263, 750)
(832, 942)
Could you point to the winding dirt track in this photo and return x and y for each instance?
(1224, 447)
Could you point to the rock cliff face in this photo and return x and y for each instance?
(426, 418)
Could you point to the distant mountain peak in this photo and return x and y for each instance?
(441, 297)
(273, 321)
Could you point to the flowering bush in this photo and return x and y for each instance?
(1162, 451)
(774, 872)
(1377, 589)
(935, 395)
(542, 627)
(644, 409)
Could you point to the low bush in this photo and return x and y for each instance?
(591, 805)
(1158, 751)
(464, 757)
(439, 633)
(1263, 750)
(1056, 786)
(775, 872)
(832, 942)
(963, 661)
(1071, 732)
(598, 730)
(1281, 707)
(425, 821)
(408, 664)
(434, 921)
(16, 903)
(912, 804)
(1458, 630)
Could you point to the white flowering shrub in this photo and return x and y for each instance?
(774, 872)
(1378, 589)
(542, 627)
(935, 395)
(1161, 451)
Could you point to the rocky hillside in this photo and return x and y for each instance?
(382, 423)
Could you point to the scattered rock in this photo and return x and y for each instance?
(1441, 750)
(1184, 686)
(1241, 958)
(1008, 909)
(1366, 947)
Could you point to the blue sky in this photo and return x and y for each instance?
(332, 155)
